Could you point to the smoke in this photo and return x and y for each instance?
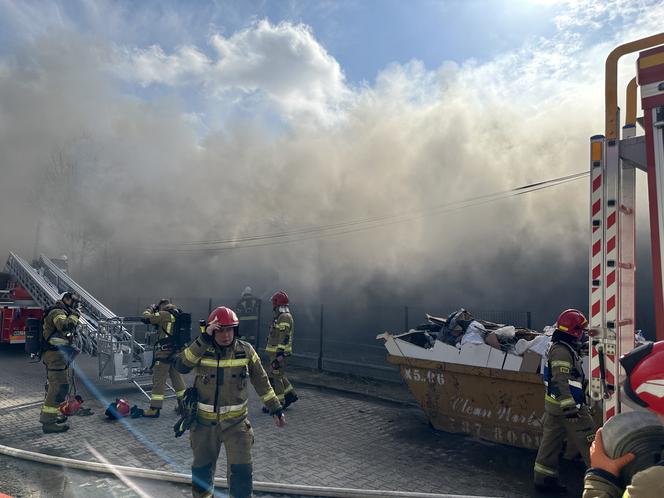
(262, 134)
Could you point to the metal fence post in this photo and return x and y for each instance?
(320, 341)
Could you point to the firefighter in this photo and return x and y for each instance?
(645, 386)
(248, 310)
(565, 410)
(279, 347)
(163, 316)
(224, 363)
(60, 322)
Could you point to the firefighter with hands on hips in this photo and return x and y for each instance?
(60, 322)
(223, 365)
(279, 347)
(644, 385)
(566, 414)
(163, 316)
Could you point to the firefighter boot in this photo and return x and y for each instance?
(61, 419)
(151, 412)
(551, 485)
(54, 428)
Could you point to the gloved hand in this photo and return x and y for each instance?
(212, 328)
(600, 460)
(275, 365)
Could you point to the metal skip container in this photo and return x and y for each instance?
(503, 405)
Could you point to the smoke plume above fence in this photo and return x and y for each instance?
(223, 149)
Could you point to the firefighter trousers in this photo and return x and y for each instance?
(206, 440)
(579, 431)
(160, 372)
(57, 386)
(278, 379)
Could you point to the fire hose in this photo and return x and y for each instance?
(175, 477)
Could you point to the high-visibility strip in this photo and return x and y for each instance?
(561, 363)
(288, 389)
(157, 397)
(191, 357)
(575, 383)
(282, 326)
(255, 358)
(651, 60)
(280, 397)
(179, 394)
(50, 409)
(568, 402)
(225, 363)
(221, 409)
(545, 470)
(275, 349)
(223, 416)
(549, 399)
(58, 341)
(267, 397)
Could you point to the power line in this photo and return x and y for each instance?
(362, 224)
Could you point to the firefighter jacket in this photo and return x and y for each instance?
(164, 321)
(221, 380)
(564, 380)
(58, 334)
(248, 307)
(648, 483)
(280, 339)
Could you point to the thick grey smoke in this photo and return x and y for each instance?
(110, 178)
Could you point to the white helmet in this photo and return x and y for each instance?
(247, 291)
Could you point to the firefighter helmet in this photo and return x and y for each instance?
(71, 405)
(247, 291)
(70, 295)
(572, 322)
(117, 410)
(224, 316)
(279, 298)
(645, 375)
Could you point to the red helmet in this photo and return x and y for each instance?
(279, 298)
(118, 409)
(645, 375)
(224, 316)
(70, 406)
(572, 322)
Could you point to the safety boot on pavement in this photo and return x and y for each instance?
(551, 485)
(151, 412)
(54, 428)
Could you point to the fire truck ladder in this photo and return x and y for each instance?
(613, 164)
(47, 282)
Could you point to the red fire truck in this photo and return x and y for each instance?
(16, 306)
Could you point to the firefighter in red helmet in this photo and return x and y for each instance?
(223, 365)
(645, 386)
(279, 347)
(566, 414)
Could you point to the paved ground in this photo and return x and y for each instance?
(332, 439)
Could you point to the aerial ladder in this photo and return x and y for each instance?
(100, 332)
(614, 159)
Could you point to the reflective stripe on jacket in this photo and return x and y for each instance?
(280, 339)
(221, 379)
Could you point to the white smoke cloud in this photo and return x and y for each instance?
(282, 64)
(416, 138)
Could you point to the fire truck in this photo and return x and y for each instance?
(16, 306)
